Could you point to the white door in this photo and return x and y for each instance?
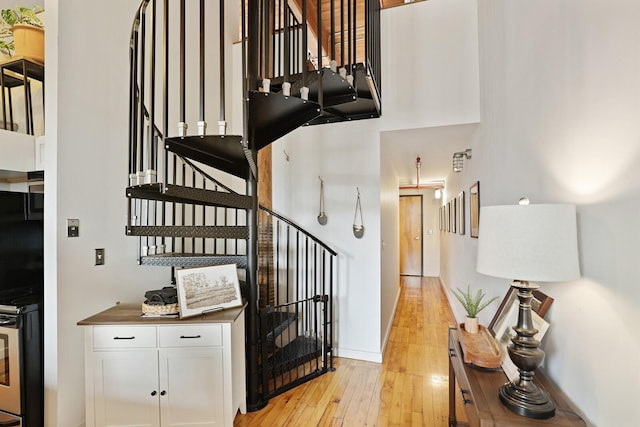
(192, 387)
(126, 388)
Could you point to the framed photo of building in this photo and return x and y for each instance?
(205, 289)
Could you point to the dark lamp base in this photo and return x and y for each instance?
(530, 402)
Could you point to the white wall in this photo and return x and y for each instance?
(560, 104)
(418, 91)
(390, 247)
(86, 176)
(341, 155)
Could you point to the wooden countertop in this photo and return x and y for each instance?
(131, 314)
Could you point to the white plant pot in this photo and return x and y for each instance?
(471, 325)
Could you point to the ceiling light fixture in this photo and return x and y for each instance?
(458, 159)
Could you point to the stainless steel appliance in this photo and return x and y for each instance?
(21, 284)
(21, 360)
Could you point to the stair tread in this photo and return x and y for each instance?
(224, 152)
(190, 231)
(299, 351)
(278, 322)
(363, 107)
(176, 259)
(184, 194)
(274, 115)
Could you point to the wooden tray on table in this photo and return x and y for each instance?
(480, 349)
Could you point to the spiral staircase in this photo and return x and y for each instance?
(193, 195)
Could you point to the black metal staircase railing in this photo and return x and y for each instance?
(296, 306)
(192, 194)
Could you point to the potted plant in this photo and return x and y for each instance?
(26, 30)
(473, 305)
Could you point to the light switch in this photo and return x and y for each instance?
(100, 256)
(73, 227)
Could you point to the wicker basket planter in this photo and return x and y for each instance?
(160, 309)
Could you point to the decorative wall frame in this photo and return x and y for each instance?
(505, 319)
(540, 303)
(474, 209)
(205, 289)
(447, 216)
(454, 215)
(461, 217)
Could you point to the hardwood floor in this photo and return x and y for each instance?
(409, 388)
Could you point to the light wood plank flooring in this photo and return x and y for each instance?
(410, 387)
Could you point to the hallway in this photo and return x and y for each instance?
(410, 387)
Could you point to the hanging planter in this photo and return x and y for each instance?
(322, 217)
(358, 230)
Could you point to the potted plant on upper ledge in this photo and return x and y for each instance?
(27, 31)
(473, 305)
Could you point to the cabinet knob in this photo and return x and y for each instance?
(153, 393)
(163, 392)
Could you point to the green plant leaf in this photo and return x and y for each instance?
(472, 303)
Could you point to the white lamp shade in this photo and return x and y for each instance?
(535, 243)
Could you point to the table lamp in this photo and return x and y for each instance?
(528, 243)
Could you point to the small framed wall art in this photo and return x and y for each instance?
(205, 289)
(474, 209)
(460, 206)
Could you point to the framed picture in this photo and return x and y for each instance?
(540, 304)
(440, 217)
(454, 215)
(474, 209)
(447, 216)
(460, 205)
(506, 318)
(205, 289)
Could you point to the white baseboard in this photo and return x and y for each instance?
(385, 340)
(358, 355)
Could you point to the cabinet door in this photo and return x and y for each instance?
(191, 387)
(126, 388)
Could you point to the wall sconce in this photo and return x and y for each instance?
(438, 193)
(458, 159)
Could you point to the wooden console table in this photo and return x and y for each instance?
(479, 390)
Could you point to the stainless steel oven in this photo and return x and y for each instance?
(21, 358)
(9, 364)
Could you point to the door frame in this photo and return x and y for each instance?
(421, 196)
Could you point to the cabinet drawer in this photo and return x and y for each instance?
(467, 397)
(191, 335)
(124, 337)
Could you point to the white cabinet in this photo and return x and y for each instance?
(164, 374)
(126, 388)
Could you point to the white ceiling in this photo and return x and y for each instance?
(435, 147)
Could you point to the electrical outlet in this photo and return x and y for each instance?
(73, 227)
(99, 256)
